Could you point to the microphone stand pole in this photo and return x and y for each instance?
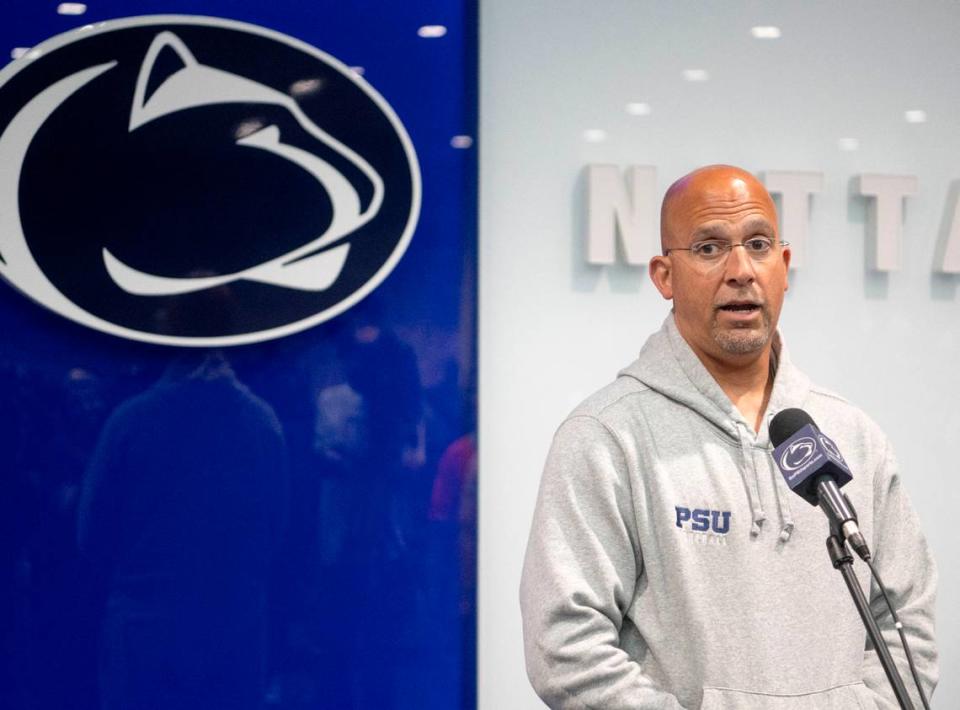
(843, 562)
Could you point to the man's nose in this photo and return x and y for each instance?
(739, 267)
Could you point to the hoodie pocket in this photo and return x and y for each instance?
(852, 696)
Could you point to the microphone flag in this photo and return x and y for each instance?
(804, 456)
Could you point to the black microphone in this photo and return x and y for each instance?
(813, 468)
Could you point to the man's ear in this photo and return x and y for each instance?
(661, 273)
(786, 267)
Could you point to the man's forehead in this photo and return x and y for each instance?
(750, 223)
(746, 210)
(734, 210)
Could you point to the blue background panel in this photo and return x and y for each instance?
(289, 523)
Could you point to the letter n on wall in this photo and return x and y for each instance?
(620, 209)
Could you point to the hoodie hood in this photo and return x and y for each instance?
(669, 366)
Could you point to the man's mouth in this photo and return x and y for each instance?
(740, 307)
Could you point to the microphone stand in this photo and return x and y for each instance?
(843, 562)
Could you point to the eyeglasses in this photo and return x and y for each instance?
(714, 251)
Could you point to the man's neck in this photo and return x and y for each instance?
(746, 382)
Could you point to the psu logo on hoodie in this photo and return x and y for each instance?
(198, 181)
(703, 520)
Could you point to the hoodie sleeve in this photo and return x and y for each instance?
(906, 566)
(582, 564)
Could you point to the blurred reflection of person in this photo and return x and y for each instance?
(181, 510)
(369, 442)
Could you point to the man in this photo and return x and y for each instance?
(669, 566)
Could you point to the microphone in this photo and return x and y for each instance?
(813, 468)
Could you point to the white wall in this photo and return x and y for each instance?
(553, 329)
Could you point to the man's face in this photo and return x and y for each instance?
(726, 310)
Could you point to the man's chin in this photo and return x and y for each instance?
(742, 341)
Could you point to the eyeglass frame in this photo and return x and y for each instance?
(727, 248)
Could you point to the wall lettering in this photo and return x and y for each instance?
(620, 209)
(948, 257)
(885, 219)
(794, 189)
(623, 208)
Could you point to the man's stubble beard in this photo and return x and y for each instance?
(743, 341)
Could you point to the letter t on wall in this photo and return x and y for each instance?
(794, 189)
(948, 252)
(617, 209)
(886, 219)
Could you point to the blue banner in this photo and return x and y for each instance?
(238, 370)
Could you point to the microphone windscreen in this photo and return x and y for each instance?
(786, 423)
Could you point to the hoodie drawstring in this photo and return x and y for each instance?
(751, 483)
(782, 494)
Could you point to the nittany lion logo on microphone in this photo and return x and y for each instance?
(198, 181)
(798, 454)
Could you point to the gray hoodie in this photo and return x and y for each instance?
(670, 566)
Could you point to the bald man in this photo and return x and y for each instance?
(669, 566)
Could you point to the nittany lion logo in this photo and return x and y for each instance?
(198, 181)
(798, 454)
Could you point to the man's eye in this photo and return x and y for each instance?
(708, 249)
(758, 244)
